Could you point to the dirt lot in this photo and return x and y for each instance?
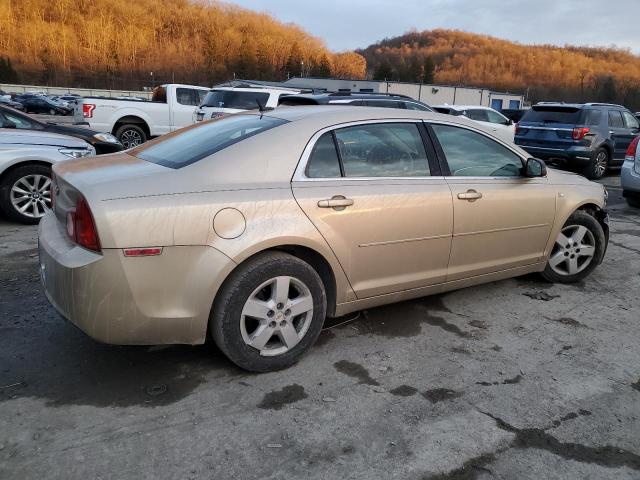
(517, 379)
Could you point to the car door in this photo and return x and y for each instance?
(632, 128)
(502, 220)
(375, 193)
(182, 109)
(620, 134)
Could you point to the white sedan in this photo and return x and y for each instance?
(500, 125)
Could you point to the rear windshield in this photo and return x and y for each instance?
(233, 99)
(192, 144)
(540, 114)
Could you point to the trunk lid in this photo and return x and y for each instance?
(549, 127)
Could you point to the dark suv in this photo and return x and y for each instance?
(589, 136)
(356, 99)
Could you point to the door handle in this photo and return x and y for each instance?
(470, 195)
(337, 201)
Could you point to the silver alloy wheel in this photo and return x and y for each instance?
(277, 315)
(31, 195)
(131, 138)
(600, 166)
(573, 251)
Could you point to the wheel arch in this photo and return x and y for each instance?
(132, 120)
(23, 163)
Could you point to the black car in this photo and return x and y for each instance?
(102, 142)
(10, 103)
(42, 104)
(590, 137)
(514, 114)
(355, 99)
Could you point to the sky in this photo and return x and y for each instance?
(351, 24)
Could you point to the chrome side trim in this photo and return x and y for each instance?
(496, 230)
(552, 129)
(392, 242)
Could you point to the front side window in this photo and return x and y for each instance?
(495, 117)
(189, 145)
(235, 99)
(630, 121)
(471, 154)
(382, 150)
(615, 119)
(477, 115)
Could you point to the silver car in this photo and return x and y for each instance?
(630, 175)
(26, 158)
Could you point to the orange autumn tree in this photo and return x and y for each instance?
(547, 72)
(118, 43)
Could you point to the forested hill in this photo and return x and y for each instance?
(549, 72)
(118, 43)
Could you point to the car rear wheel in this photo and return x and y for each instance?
(633, 202)
(25, 193)
(131, 136)
(578, 250)
(598, 164)
(269, 312)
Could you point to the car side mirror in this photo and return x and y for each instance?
(509, 122)
(535, 168)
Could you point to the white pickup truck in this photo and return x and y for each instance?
(134, 121)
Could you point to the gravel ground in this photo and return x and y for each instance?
(516, 379)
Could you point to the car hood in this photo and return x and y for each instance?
(81, 132)
(31, 137)
(562, 177)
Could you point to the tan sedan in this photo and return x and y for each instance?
(253, 228)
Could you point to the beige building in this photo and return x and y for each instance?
(430, 94)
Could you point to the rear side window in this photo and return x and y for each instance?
(324, 161)
(630, 121)
(234, 99)
(186, 96)
(416, 106)
(593, 117)
(189, 145)
(470, 154)
(567, 115)
(382, 150)
(385, 104)
(615, 119)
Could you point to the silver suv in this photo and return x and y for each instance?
(26, 158)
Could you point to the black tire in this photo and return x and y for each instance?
(5, 191)
(225, 318)
(131, 135)
(593, 170)
(580, 218)
(633, 202)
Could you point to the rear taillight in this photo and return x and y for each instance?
(518, 129)
(632, 150)
(81, 228)
(87, 110)
(580, 132)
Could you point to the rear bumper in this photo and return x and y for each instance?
(575, 155)
(163, 299)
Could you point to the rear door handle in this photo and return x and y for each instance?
(337, 201)
(470, 195)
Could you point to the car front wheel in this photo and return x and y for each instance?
(25, 193)
(597, 166)
(269, 312)
(577, 251)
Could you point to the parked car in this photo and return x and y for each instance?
(254, 227)
(25, 170)
(133, 122)
(590, 137)
(101, 142)
(497, 123)
(630, 174)
(42, 104)
(10, 103)
(356, 99)
(222, 101)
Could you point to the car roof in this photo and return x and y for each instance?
(256, 89)
(578, 105)
(464, 107)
